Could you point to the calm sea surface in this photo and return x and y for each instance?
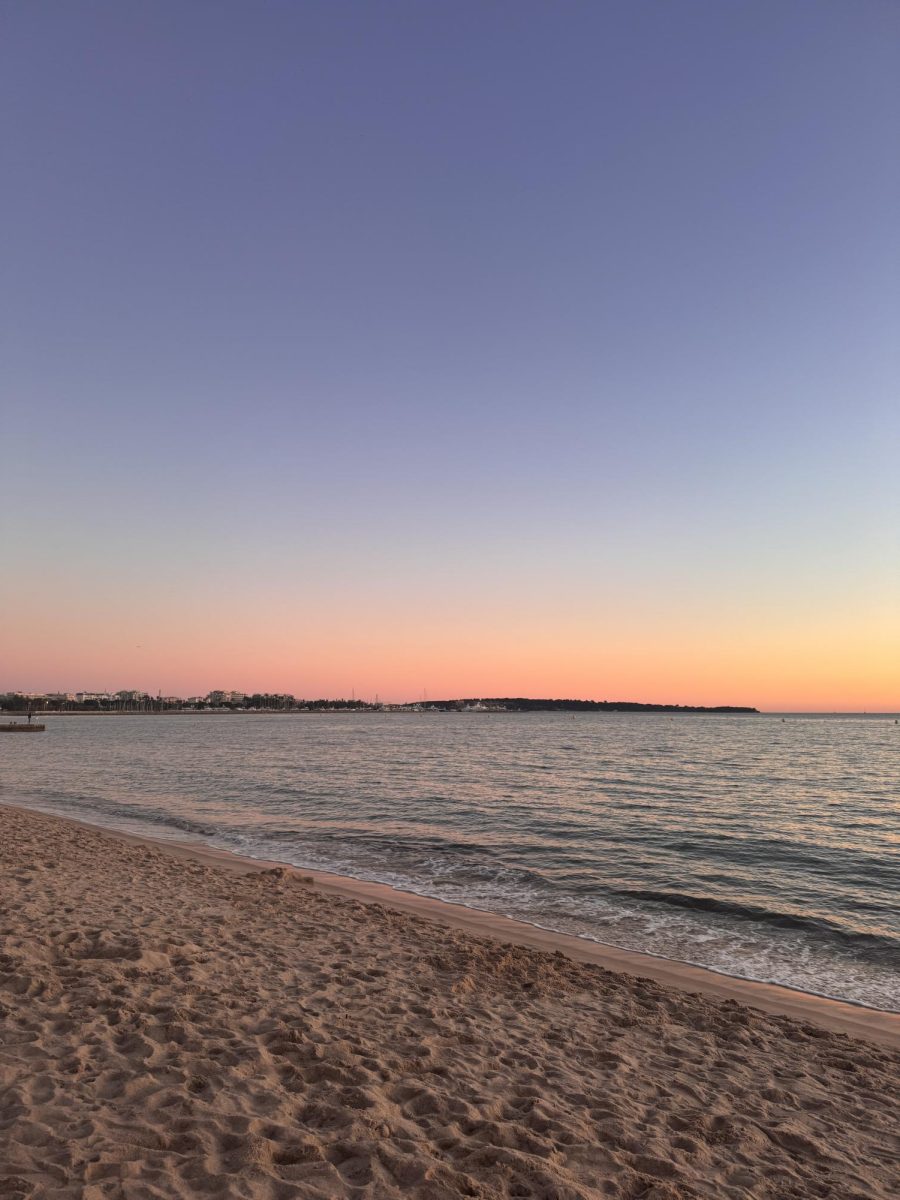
(758, 847)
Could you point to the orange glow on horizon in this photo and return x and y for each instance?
(800, 667)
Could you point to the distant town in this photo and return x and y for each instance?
(132, 701)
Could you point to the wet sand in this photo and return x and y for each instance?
(180, 1022)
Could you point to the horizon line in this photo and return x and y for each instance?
(35, 694)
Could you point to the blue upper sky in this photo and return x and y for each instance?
(465, 296)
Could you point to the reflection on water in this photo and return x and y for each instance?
(753, 846)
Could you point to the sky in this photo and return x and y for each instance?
(475, 348)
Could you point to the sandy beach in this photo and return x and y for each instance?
(176, 1022)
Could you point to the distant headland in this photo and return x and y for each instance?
(134, 701)
(525, 704)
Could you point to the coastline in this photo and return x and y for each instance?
(176, 1024)
(838, 1016)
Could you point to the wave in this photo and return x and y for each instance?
(854, 865)
(94, 808)
(742, 911)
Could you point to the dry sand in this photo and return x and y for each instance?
(171, 1027)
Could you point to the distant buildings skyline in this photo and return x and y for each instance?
(128, 700)
(131, 699)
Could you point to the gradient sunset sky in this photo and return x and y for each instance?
(484, 348)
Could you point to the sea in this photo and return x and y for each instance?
(764, 847)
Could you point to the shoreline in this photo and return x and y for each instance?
(838, 1016)
(179, 1022)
